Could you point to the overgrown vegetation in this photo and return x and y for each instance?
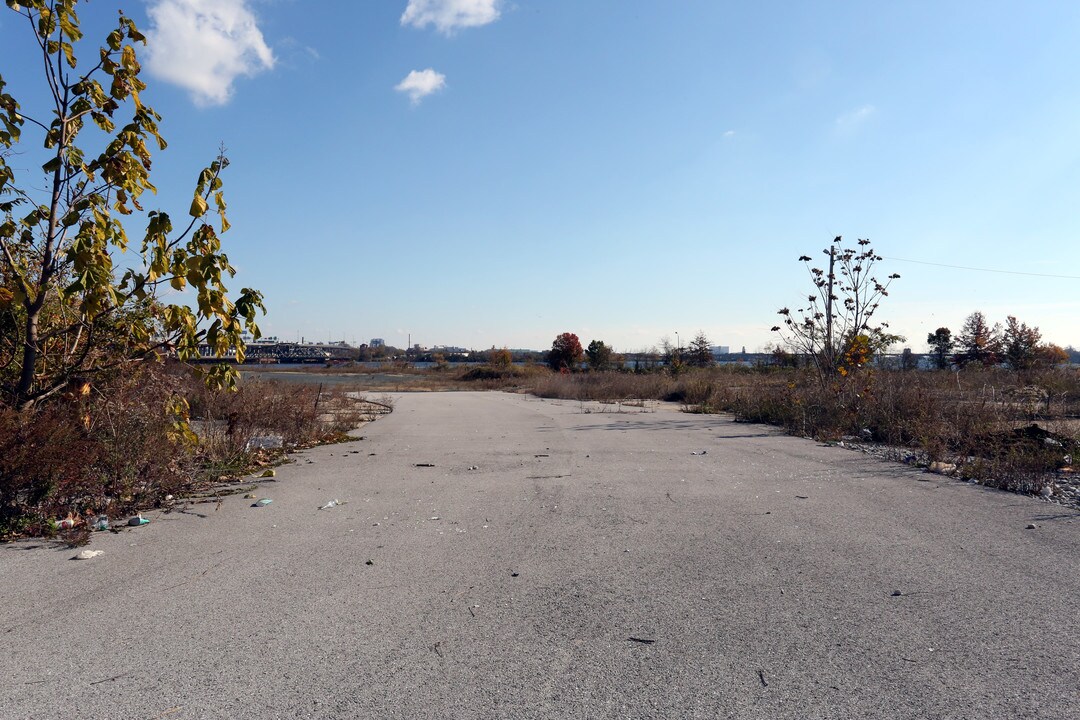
(836, 329)
(115, 449)
(70, 307)
(1005, 426)
(91, 419)
(978, 420)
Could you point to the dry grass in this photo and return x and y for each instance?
(973, 419)
(117, 450)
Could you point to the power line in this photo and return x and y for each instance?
(964, 267)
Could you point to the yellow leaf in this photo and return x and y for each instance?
(198, 206)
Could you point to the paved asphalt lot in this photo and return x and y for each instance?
(592, 566)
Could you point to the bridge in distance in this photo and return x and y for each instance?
(285, 352)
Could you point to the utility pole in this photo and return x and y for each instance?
(828, 307)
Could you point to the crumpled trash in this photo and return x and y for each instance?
(261, 502)
(703, 452)
(138, 521)
(66, 523)
(101, 522)
(89, 554)
(332, 504)
(265, 442)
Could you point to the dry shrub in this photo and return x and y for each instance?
(40, 455)
(263, 414)
(970, 419)
(142, 457)
(108, 451)
(603, 386)
(118, 448)
(501, 376)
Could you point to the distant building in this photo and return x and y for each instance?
(720, 350)
(377, 342)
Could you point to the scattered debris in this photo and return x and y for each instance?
(425, 465)
(435, 647)
(668, 494)
(89, 554)
(474, 467)
(761, 676)
(268, 472)
(513, 574)
(101, 522)
(261, 502)
(1030, 526)
(66, 523)
(896, 593)
(434, 517)
(138, 521)
(265, 442)
(541, 455)
(370, 562)
(942, 468)
(643, 641)
(803, 497)
(250, 496)
(332, 504)
(703, 452)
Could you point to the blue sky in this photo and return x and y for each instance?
(480, 173)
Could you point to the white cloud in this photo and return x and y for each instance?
(418, 84)
(856, 117)
(204, 45)
(448, 15)
(729, 133)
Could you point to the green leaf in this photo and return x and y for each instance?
(69, 54)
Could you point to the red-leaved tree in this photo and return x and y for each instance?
(566, 353)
